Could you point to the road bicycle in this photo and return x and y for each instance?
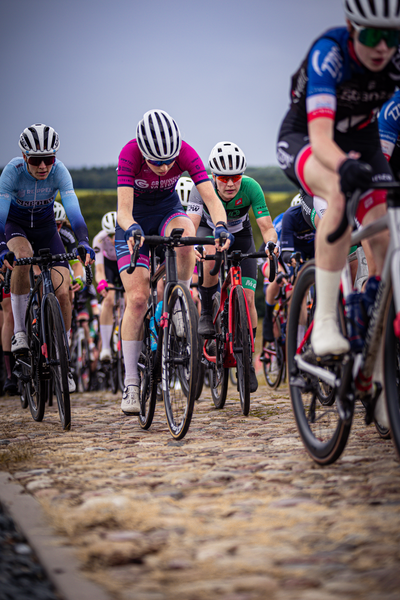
(234, 343)
(43, 370)
(170, 351)
(111, 374)
(324, 391)
(79, 351)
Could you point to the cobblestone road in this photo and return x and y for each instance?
(235, 511)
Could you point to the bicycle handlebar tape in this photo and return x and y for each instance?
(217, 264)
(135, 253)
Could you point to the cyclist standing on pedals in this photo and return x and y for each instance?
(106, 272)
(236, 194)
(148, 169)
(28, 187)
(329, 141)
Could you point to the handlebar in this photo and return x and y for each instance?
(351, 207)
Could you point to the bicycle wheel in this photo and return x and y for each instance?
(324, 433)
(218, 374)
(391, 370)
(242, 348)
(33, 387)
(148, 388)
(232, 376)
(57, 353)
(201, 366)
(80, 360)
(179, 361)
(274, 363)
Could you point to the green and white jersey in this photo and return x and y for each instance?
(237, 209)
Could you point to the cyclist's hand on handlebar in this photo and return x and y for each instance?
(354, 174)
(226, 240)
(90, 255)
(131, 235)
(271, 248)
(200, 252)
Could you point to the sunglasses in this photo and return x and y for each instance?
(225, 179)
(159, 163)
(36, 161)
(370, 36)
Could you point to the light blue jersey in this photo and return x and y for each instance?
(29, 202)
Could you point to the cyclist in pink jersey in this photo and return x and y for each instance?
(148, 169)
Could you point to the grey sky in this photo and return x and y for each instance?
(92, 68)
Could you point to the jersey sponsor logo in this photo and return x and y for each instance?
(193, 208)
(233, 213)
(141, 183)
(239, 201)
(300, 86)
(392, 110)
(284, 158)
(331, 63)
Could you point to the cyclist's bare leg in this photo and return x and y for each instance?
(376, 246)
(330, 259)
(185, 256)
(137, 290)
(61, 279)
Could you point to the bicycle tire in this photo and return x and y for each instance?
(148, 388)
(232, 376)
(57, 353)
(242, 348)
(218, 376)
(34, 387)
(179, 359)
(201, 366)
(323, 432)
(274, 365)
(80, 360)
(391, 371)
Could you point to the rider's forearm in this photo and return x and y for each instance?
(213, 203)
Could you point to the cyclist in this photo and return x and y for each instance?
(329, 141)
(389, 131)
(106, 272)
(28, 187)
(237, 193)
(149, 167)
(68, 239)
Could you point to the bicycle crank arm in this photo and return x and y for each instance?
(326, 376)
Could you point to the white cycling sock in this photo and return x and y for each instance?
(105, 333)
(131, 351)
(19, 302)
(185, 282)
(326, 337)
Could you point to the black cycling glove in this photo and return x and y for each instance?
(354, 174)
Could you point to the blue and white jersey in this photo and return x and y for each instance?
(389, 130)
(29, 201)
(332, 83)
(297, 235)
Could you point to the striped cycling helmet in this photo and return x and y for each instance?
(158, 136)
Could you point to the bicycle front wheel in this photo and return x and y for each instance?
(57, 354)
(218, 374)
(324, 433)
(148, 387)
(391, 365)
(179, 361)
(274, 363)
(242, 348)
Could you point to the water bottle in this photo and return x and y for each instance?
(159, 312)
(153, 335)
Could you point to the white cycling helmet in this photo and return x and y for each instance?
(39, 140)
(109, 221)
(373, 13)
(183, 187)
(59, 212)
(227, 158)
(158, 136)
(296, 200)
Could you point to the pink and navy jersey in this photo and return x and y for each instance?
(133, 171)
(332, 83)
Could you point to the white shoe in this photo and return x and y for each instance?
(105, 355)
(130, 404)
(327, 339)
(177, 320)
(19, 342)
(71, 383)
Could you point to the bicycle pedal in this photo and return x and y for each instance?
(328, 360)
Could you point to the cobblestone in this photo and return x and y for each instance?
(235, 511)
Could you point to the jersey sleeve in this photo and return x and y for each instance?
(71, 203)
(389, 125)
(260, 208)
(189, 160)
(129, 163)
(287, 233)
(324, 71)
(196, 204)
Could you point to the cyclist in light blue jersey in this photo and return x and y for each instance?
(28, 188)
